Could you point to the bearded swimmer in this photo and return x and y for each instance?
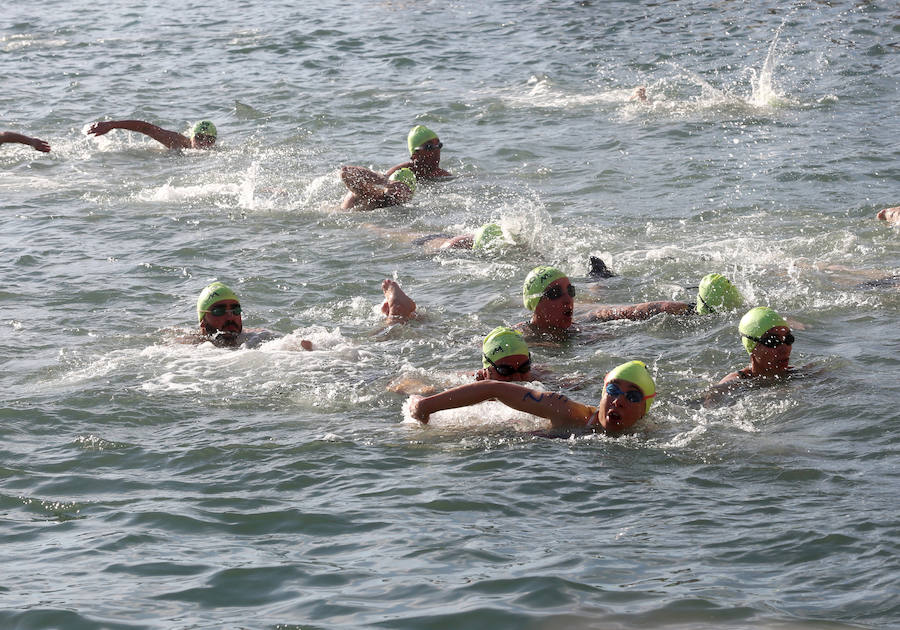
(203, 134)
(628, 392)
(219, 314)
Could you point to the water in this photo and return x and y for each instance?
(147, 484)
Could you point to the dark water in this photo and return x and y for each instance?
(146, 484)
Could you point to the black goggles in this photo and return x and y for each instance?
(772, 341)
(555, 292)
(508, 370)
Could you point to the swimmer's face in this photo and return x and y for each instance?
(428, 153)
(773, 360)
(202, 141)
(556, 305)
(512, 366)
(221, 320)
(616, 412)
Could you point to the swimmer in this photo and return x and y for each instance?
(425, 154)
(370, 190)
(219, 316)
(487, 237)
(18, 138)
(640, 94)
(768, 340)
(891, 215)
(549, 294)
(203, 134)
(628, 391)
(504, 356)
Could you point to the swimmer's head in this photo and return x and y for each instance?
(537, 282)
(204, 133)
(717, 294)
(419, 135)
(405, 176)
(216, 292)
(500, 343)
(635, 372)
(486, 236)
(756, 323)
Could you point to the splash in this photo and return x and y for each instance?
(763, 93)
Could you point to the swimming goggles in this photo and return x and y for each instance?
(555, 292)
(772, 341)
(508, 370)
(631, 396)
(431, 147)
(218, 311)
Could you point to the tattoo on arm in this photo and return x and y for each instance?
(540, 397)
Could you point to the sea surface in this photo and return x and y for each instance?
(150, 484)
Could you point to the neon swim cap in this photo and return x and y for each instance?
(716, 293)
(635, 372)
(419, 135)
(212, 294)
(404, 176)
(755, 324)
(537, 282)
(502, 342)
(486, 235)
(204, 128)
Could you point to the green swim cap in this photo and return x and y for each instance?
(486, 234)
(755, 324)
(405, 176)
(212, 294)
(716, 293)
(502, 342)
(419, 135)
(204, 128)
(635, 372)
(537, 282)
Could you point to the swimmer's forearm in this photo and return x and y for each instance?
(549, 405)
(637, 312)
(171, 139)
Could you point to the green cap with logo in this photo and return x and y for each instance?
(212, 294)
(500, 343)
(537, 282)
(419, 135)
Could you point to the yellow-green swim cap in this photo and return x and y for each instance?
(502, 342)
(537, 282)
(716, 293)
(212, 294)
(405, 176)
(204, 128)
(486, 235)
(755, 324)
(419, 135)
(635, 372)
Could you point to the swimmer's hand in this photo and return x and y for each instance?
(417, 409)
(101, 128)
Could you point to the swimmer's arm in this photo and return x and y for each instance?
(170, 139)
(463, 241)
(36, 143)
(397, 168)
(636, 312)
(555, 407)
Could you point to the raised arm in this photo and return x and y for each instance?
(171, 139)
(645, 310)
(557, 408)
(36, 143)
